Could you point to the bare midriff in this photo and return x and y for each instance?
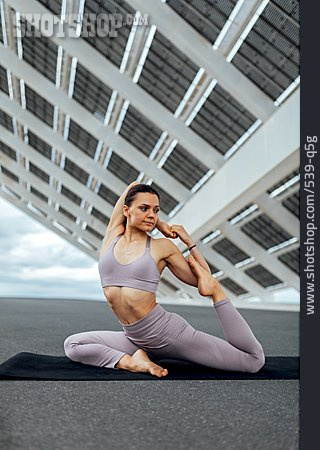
(128, 304)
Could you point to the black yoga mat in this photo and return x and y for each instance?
(31, 366)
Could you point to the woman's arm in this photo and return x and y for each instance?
(184, 237)
(117, 216)
(165, 229)
(177, 264)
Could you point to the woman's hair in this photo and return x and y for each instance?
(132, 193)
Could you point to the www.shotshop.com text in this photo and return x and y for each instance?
(311, 229)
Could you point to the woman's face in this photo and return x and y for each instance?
(143, 212)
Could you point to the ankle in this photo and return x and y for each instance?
(219, 295)
(124, 362)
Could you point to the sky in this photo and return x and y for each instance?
(36, 262)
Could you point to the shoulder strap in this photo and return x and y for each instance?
(117, 238)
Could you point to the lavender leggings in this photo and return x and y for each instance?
(163, 334)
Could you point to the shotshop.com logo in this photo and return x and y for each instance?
(74, 25)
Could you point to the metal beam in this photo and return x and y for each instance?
(72, 183)
(288, 192)
(109, 74)
(231, 271)
(196, 47)
(269, 155)
(24, 208)
(287, 249)
(241, 20)
(262, 257)
(52, 194)
(47, 209)
(279, 214)
(90, 123)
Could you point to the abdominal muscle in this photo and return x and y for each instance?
(128, 304)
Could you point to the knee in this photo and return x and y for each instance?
(69, 345)
(258, 362)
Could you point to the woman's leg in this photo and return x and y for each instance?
(99, 348)
(241, 352)
(110, 349)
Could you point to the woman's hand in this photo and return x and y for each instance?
(166, 230)
(182, 234)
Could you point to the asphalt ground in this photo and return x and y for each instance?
(152, 414)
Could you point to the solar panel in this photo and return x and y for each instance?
(265, 231)
(8, 151)
(167, 72)
(39, 194)
(91, 93)
(291, 260)
(39, 106)
(66, 229)
(283, 181)
(70, 195)
(108, 195)
(262, 276)
(269, 56)
(39, 145)
(37, 210)
(39, 172)
(9, 174)
(94, 232)
(206, 17)
(139, 131)
(97, 214)
(184, 167)
(241, 211)
(222, 120)
(1, 32)
(289, 7)
(6, 121)
(76, 171)
(87, 244)
(82, 139)
(67, 214)
(292, 203)
(111, 47)
(123, 170)
(230, 251)
(41, 53)
(4, 80)
(233, 286)
(53, 5)
(12, 193)
(213, 269)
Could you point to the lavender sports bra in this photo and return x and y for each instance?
(140, 274)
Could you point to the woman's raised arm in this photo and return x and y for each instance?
(117, 216)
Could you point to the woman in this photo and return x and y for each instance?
(130, 267)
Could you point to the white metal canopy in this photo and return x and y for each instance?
(203, 185)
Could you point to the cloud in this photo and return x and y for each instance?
(36, 262)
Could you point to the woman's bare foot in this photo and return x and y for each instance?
(140, 362)
(207, 284)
